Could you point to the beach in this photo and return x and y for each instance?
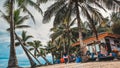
(105, 64)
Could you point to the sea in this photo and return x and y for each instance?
(21, 57)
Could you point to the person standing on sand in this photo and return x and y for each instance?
(65, 56)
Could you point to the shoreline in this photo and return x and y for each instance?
(101, 64)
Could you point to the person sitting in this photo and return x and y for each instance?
(100, 55)
(103, 51)
(65, 56)
(114, 48)
(72, 58)
(78, 59)
(62, 60)
(88, 54)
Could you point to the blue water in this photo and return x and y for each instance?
(22, 59)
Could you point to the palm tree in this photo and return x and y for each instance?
(12, 59)
(50, 48)
(64, 35)
(36, 45)
(22, 4)
(19, 20)
(115, 18)
(23, 42)
(67, 8)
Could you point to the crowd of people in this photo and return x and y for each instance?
(102, 51)
(68, 58)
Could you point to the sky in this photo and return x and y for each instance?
(39, 30)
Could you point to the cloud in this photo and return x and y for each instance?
(39, 30)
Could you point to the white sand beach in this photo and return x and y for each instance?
(106, 64)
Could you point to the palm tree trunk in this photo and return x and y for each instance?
(95, 31)
(53, 58)
(29, 57)
(43, 57)
(35, 52)
(33, 64)
(12, 59)
(64, 47)
(79, 26)
(34, 56)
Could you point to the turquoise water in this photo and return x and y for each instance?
(22, 59)
(4, 63)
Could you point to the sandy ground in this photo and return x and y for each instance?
(106, 64)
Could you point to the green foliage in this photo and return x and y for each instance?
(116, 28)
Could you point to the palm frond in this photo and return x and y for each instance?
(111, 4)
(72, 23)
(31, 49)
(16, 15)
(30, 44)
(41, 1)
(60, 16)
(26, 10)
(100, 6)
(28, 37)
(56, 35)
(22, 26)
(5, 17)
(31, 3)
(17, 44)
(22, 19)
(52, 10)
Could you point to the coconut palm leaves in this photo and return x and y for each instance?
(24, 38)
(111, 4)
(64, 35)
(51, 48)
(23, 4)
(34, 46)
(115, 18)
(68, 9)
(23, 43)
(18, 20)
(38, 51)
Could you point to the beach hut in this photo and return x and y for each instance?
(106, 40)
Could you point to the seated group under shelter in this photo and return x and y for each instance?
(106, 47)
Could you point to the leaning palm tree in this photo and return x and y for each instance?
(36, 45)
(19, 20)
(22, 4)
(52, 49)
(78, 9)
(23, 42)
